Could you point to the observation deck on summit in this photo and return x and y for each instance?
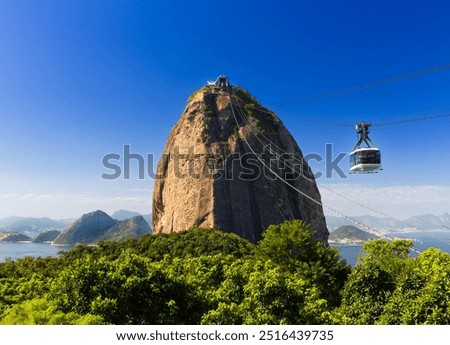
(221, 82)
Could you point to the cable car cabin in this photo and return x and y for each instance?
(365, 160)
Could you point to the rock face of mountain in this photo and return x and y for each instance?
(86, 230)
(349, 233)
(131, 228)
(48, 236)
(219, 166)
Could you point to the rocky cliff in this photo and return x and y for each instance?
(221, 168)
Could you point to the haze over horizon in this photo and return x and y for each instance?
(82, 80)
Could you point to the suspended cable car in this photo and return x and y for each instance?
(364, 160)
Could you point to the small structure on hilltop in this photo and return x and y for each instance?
(221, 82)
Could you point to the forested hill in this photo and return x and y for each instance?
(205, 276)
(349, 233)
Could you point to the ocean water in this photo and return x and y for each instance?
(349, 252)
(422, 240)
(18, 250)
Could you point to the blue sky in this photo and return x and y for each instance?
(79, 80)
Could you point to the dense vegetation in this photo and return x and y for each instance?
(203, 276)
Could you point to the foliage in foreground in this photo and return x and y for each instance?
(205, 276)
(390, 287)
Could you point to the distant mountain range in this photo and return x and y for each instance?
(47, 236)
(121, 224)
(49, 228)
(34, 226)
(125, 214)
(98, 226)
(31, 226)
(422, 222)
(128, 228)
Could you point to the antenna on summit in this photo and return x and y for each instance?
(221, 82)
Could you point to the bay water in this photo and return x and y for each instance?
(422, 240)
(18, 250)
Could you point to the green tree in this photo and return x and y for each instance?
(203, 275)
(381, 265)
(265, 293)
(293, 279)
(128, 290)
(422, 296)
(292, 246)
(276, 296)
(194, 242)
(42, 312)
(230, 294)
(191, 242)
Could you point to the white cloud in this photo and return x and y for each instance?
(396, 201)
(73, 205)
